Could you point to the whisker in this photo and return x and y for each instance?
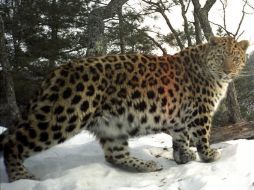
(248, 72)
(243, 76)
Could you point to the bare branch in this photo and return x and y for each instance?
(161, 9)
(224, 14)
(174, 32)
(251, 6)
(149, 2)
(188, 5)
(164, 51)
(240, 35)
(222, 27)
(241, 20)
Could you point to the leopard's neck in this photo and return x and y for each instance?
(193, 60)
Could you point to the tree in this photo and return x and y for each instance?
(161, 7)
(39, 35)
(202, 15)
(96, 26)
(126, 31)
(45, 33)
(122, 41)
(8, 107)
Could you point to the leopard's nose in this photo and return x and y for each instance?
(227, 71)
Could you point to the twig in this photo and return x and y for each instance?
(239, 35)
(228, 33)
(224, 13)
(157, 44)
(224, 27)
(251, 6)
(188, 5)
(243, 14)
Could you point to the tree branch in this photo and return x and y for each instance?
(224, 14)
(157, 44)
(241, 20)
(208, 5)
(251, 6)
(161, 10)
(222, 27)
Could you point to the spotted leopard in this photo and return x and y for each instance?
(116, 97)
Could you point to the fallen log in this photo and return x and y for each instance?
(242, 130)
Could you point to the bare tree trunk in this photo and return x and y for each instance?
(121, 31)
(15, 32)
(53, 25)
(186, 24)
(233, 105)
(97, 41)
(202, 14)
(8, 107)
(198, 32)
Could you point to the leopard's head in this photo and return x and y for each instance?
(226, 57)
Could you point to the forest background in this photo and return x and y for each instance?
(38, 35)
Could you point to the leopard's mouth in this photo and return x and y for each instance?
(227, 78)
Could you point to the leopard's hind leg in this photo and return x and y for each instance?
(25, 142)
(117, 153)
(13, 160)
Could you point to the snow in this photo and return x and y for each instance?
(78, 164)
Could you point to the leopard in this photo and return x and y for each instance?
(117, 97)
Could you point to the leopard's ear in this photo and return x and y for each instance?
(214, 40)
(244, 44)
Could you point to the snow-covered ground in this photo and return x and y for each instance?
(79, 165)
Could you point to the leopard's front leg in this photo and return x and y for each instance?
(200, 129)
(117, 153)
(181, 146)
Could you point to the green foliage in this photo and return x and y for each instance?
(135, 37)
(170, 39)
(45, 30)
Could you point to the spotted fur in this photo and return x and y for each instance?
(121, 96)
